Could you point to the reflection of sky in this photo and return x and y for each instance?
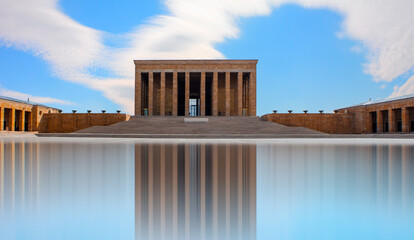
(335, 192)
(84, 191)
(306, 190)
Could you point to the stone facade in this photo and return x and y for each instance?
(195, 87)
(17, 115)
(391, 115)
(72, 122)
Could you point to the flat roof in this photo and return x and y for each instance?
(24, 102)
(382, 101)
(198, 61)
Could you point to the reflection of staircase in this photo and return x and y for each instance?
(215, 126)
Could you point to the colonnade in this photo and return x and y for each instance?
(392, 120)
(12, 119)
(240, 96)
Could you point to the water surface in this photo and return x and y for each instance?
(211, 189)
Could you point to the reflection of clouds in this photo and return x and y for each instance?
(195, 191)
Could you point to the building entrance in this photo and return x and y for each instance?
(195, 107)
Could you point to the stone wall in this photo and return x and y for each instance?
(333, 123)
(72, 122)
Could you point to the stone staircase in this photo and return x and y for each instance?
(216, 126)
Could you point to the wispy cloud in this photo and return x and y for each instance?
(191, 30)
(36, 99)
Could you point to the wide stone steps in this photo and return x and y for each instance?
(216, 126)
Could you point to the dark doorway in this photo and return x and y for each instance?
(412, 126)
(27, 121)
(7, 119)
(181, 94)
(194, 107)
(194, 104)
(144, 94)
(398, 120)
(374, 121)
(209, 98)
(17, 120)
(245, 94)
(384, 120)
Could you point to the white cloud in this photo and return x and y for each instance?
(191, 30)
(35, 99)
(406, 89)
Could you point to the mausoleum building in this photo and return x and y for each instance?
(195, 87)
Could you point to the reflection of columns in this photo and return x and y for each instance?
(405, 120)
(203, 192)
(239, 93)
(187, 93)
(137, 93)
(13, 174)
(228, 192)
(12, 119)
(215, 191)
(380, 123)
(405, 155)
(150, 191)
(252, 190)
(162, 190)
(175, 93)
(215, 93)
(252, 94)
(138, 210)
(162, 95)
(2, 165)
(150, 93)
(187, 190)
(175, 192)
(391, 120)
(203, 93)
(22, 174)
(240, 190)
(227, 94)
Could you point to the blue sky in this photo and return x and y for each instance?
(312, 54)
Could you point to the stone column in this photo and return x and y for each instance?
(391, 120)
(227, 94)
(1, 118)
(252, 94)
(215, 93)
(203, 93)
(162, 93)
(12, 119)
(175, 93)
(187, 93)
(239, 93)
(138, 103)
(405, 120)
(22, 118)
(150, 93)
(380, 122)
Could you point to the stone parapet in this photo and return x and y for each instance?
(332, 123)
(72, 122)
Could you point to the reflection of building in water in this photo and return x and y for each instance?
(43, 177)
(19, 175)
(195, 191)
